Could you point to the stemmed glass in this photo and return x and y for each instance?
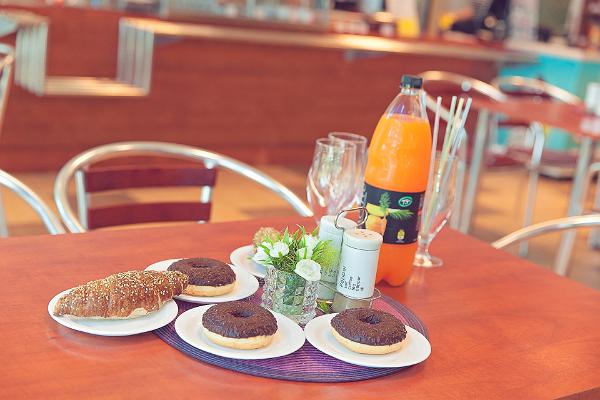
(361, 160)
(437, 207)
(330, 184)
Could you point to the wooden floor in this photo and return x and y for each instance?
(499, 209)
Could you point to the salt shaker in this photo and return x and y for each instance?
(328, 231)
(358, 263)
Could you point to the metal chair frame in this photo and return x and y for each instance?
(537, 86)
(6, 68)
(51, 222)
(72, 169)
(594, 238)
(485, 122)
(554, 225)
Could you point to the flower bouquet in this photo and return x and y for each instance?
(294, 262)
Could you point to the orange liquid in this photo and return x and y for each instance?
(398, 161)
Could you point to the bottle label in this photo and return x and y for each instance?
(395, 215)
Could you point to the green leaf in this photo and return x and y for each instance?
(286, 236)
(401, 215)
(384, 202)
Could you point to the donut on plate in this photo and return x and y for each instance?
(239, 325)
(207, 277)
(368, 331)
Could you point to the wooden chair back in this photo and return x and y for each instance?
(108, 178)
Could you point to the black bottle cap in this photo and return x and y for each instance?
(411, 81)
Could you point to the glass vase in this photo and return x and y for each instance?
(291, 295)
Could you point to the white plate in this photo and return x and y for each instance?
(288, 338)
(117, 327)
(245, 285)
(242, 257)
(415, 350)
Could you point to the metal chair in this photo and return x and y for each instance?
(50, 221)
(560, 224)
(552, 163)
(484, 124)
(534, 87)
(74, 169)
(6, 66)
(594, 170)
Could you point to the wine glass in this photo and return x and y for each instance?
(361, 160)
(437, 207)
(330, 184)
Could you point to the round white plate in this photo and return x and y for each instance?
(117, 327)
(242, 257)
(245, 285)
(288, 338)
(415, 350)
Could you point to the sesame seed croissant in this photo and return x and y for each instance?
(123, 295)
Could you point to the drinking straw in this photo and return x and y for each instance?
(449, 124)
(459, 136)
(434, 139)
(452, 140)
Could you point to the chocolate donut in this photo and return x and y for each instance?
(368, 331)
(207, 277)
(239, 324)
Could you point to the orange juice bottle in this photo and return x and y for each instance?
(396, 179)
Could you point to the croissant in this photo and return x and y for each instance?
(123, 295)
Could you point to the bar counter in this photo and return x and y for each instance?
(257, 91)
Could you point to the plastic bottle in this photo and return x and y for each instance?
(396, 179)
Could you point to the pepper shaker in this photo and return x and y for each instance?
(329, 231)
(358, 263)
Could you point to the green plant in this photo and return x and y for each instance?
(297, 252)
(384, 206)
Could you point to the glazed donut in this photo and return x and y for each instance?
(368, 331)
(207, 277)
(239, 325)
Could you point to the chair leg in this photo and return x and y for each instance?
(476, 163)
(3, 224)
(534, 171)
(594, 237)
(561, 264)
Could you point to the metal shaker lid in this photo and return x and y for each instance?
(362, 239)
(327, 224)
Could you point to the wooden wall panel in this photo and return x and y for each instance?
(262, 104)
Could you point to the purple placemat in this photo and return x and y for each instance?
(305, 365)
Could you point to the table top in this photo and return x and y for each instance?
(500, 327)
(570, 118)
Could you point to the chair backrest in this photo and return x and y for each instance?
(464, 83)
(554, 225)
(51, 222)
(520, 85)
(101, 179)
(6, 67)
(74, 168)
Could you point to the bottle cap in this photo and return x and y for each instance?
(363, 239)
(327, 224)
(411, 81)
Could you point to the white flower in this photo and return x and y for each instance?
(309, 270)
(279, 249)
(304, 253)
(311, 241)
(261, 257)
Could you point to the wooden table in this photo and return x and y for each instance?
(573, 119)
(500, 327)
